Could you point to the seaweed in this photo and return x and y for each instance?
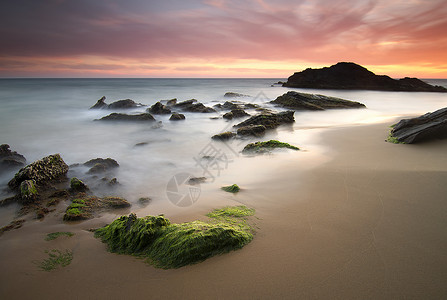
(166, 245)
(265, 147)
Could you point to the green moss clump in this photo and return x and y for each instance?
(393, 139)
(55, 235)
(167, 245)
(263, 147)
(231, 188)
(55, 259)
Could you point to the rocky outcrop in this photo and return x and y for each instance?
(303, 101)
(10, 159)
(424, 128)
(235, 113)
(120, 104)
(159, 109)
(269, 121)
(177, 117)
(124, 117)
(193, 106)
(266, 147)
(350, 76)
(42, 171)
(100, 104)
(230, 105)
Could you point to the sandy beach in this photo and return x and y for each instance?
(368, 224)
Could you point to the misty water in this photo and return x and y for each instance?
(39, 117)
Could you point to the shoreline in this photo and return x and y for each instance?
(368, 223)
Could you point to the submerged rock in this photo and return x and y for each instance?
(28, 191)
(235, 113)
(194, 106)
(42, 171)
(224, 136)
(77, 185)
(424, 128)
(348, 75)
(303, 101)
(159, 109)
(10, 159)
(120, 104)
(84, 207)
(177, 117)
(231, 188)
(266, 147)
(270, 121)
(234, 95)
(100, 165)
(124, 117)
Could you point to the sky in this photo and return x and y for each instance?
(220, 38)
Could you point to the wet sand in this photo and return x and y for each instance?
(368, 224)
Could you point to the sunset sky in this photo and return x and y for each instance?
(220, 38)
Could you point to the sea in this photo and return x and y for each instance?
(39, 117)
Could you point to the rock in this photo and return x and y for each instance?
(234, 95)
(196, 180)
(16, 224)
(177, 117)
(77, 185)
(270, 121)
(84, 207)
(123, 104)
(303, 101)
(144, 201)
(266, 147)
(348, 75)
(224, 136)
(10, 159)
(28, 191)
(100, 104)
(42, 171)
(192, 106)
(231, 188)
(125, 117)
(100, 165)
(253, 130)
(159, 109)
(427, 127)
(113, 182)
(171, 102)
(235, 113)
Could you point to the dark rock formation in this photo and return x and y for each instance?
(235, 113)
(266, 147)
(159, 109)
(123, 104)
(42, 171)
(350, 76)
(100, 104)
(77, 186)
(177, 117)
(120, 104)
(224, 136)
(125, 117)
(252, 130)
(194, 106)
(10, 159)
(303, 101)
(270, 121)
(196, 180)
(100, 165)
(426, 127)
(28, 191)
(171, 102)
(234, 95)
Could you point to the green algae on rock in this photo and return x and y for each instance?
(55, 259)
(83, 207)
(55, 235)
(265, 147)
(167, 245)
(231, 188)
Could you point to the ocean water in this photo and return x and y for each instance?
(39, 117)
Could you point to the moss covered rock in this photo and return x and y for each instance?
(231, 188)
(42, 171)
(167, 245)
(84, 207)
(77, 185)
(265, 147)
(28, 191)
